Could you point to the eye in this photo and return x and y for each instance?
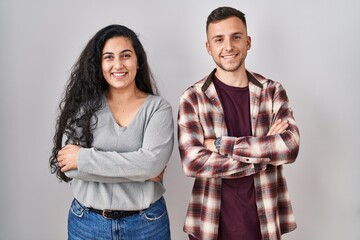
(126, 56)
(218, 40)
(237, 37)
(108, 57)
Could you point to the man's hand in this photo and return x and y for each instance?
(278, 127)
(210, 145)
(68, 157)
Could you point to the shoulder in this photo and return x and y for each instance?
(157, 103)
(266, 82)
(157, 109)
(195, 89)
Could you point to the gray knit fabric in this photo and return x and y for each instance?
(114, 173)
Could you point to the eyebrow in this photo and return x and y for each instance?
(221, 35)
(123, 51)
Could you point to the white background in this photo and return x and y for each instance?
(310, 46)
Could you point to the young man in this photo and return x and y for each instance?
(236, 130)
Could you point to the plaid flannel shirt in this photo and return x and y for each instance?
(201, 117)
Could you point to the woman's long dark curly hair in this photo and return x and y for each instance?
(85, 88)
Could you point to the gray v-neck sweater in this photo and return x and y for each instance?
(113, 174)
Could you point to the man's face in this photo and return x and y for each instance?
(228, 43)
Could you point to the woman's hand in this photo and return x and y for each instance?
(159, 177)
(68, 157)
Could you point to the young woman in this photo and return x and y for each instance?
(113, 139)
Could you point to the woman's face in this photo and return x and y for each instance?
(119, 63)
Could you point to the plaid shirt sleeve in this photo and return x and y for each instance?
(198, 119)
(275, 149)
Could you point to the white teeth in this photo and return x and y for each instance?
(229, 56)
(119, 74)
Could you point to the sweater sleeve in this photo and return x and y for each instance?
(95, 178)
(75, 173)
(145, 163)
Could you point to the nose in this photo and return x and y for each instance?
(118, 63)
(228, 44)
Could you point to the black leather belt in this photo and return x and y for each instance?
(110, 214)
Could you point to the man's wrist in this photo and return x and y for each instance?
(217, 143)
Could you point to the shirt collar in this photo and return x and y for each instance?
(251, 79)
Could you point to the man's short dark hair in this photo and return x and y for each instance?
(222, 13)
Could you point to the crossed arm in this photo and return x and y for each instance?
(277, 128)
(237, 156)
(146, 163)
(68, 159)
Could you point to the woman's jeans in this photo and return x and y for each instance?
(150, 224)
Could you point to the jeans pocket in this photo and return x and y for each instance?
(77, 209)
(156, 210)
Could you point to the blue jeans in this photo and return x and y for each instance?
(150, 224)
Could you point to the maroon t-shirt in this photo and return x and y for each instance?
(238, 219)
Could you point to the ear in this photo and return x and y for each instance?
(248, 42)
(207, 45)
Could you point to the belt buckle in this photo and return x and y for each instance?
(104, 212)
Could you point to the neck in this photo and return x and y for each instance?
(117, 96)
(236, 79)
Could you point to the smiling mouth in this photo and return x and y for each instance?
(229, 56)
(119, 74)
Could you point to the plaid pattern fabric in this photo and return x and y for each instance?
(201, 117)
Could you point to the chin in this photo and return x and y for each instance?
(230, 68)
